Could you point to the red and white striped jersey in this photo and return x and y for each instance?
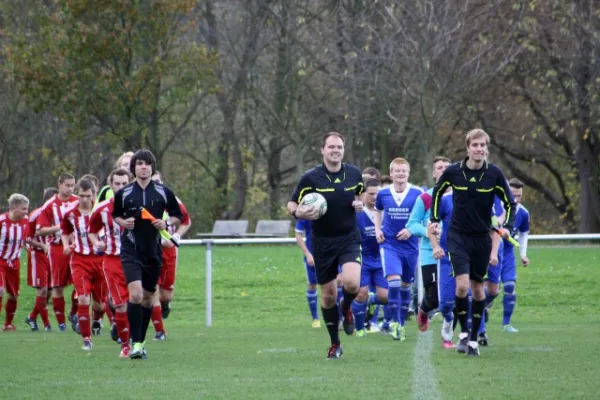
(102, 220)
(33, 225)
(186, 217)
(52, 214)
(76, 222)
(172, 251)
(13, 235)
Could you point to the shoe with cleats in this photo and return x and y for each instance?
(87, 344)
(137, 351)
(8, 328)
(482, 339)
(316, 323)
(473, 349)
(509, 329)
(124, 352)
(335, 351)
(32, 323)
(463, 342)
(160, 336)
(96, 327)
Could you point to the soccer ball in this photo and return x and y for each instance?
(315, 201)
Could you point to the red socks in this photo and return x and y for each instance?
(58, 304)
(109, 314)
(157, 319)
(83, 315)
(122, 327)
(11, 308)
(74, 302)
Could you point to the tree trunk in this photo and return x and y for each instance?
(589, 168)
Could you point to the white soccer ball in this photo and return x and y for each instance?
(315, 201)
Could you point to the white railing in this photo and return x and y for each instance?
(209, 243)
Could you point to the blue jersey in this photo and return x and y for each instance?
(305, 226)
(446, 216)
(395, 217)
(497, 211)
(417, 225)
(521, 225)
(370, 247)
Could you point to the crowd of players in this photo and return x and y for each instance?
(398, 241)
(72, 239)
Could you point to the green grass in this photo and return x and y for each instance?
(262, 345)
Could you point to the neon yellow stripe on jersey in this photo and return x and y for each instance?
(325, 190)
(350, 188)
(302, 193)
(459, 187)
(505, 200)
(439, 194)
(485, 190)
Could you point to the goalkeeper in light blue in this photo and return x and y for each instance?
(371, 270)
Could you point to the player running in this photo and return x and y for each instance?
(102, 221)
(14, 231)
(161, 304)
(372, 270)
(86, 264)
(49, 225)
(303, 230)
(399, 249)
(38, 268)
(417, 226)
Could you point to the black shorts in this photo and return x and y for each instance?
(139, 268)
(333, 251)
(469, 254)
(429, 274)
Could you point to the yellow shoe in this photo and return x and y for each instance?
(361, 333)
(316, 323)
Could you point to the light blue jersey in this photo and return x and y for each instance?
(417, 225)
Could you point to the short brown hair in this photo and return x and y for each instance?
(119, 172)
(441, 158)
(329, 134)
(372, 171)
(85, 184)
(399, 160)
(65, 177)
(92, 178)
(476, 134)
(49, 192)
(372, 183)
(17, 199)
(515, 183)
(386, 180)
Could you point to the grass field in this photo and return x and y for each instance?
(262, 346)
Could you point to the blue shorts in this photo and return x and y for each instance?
(395, 263)
(494, 273)
(509, 265)
(447, 283)
(311, 273)
(371, 274)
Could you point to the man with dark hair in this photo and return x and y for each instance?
(336, 239)
(372, 172)
(86, 264)
(509, 263)
(475, 182)
(49, 222)
(141, 250)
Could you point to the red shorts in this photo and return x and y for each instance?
(59, 267)
(166, 280)
(115, 279)
(38, 269)
(9, 276)
(88, 277)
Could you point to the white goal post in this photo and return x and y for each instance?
(210, 243)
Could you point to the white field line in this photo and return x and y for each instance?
(425, 385)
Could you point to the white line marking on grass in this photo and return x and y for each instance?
(285, 350)
(425, 384)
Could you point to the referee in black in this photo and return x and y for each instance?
(474, 182)
(141, 250)
(336, 238)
